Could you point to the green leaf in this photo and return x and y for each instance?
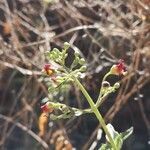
(106, 146)
(117, 137)
(127, 133)
(112, 132)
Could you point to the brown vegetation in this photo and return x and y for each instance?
(102, 31)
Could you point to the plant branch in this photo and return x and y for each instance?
(99, 100)
(96, 111)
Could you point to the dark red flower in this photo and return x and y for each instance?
(119, 69)
(48, 69)
(47, 108)
(121, 66)
(44, 108)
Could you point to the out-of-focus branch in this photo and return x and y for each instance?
(21, 70)
(24, 128)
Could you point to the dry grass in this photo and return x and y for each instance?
(103, 31)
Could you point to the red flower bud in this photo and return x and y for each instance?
(44, 108)
(118, 69)
(48, 69)
(47, 108)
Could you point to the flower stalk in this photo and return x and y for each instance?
(99, 100)
(95, 111)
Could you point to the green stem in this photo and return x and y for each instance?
(101, 100)
(96, 111)
(100, 93)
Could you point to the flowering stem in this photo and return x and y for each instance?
(96, 112)
(98, 103)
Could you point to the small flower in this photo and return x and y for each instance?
(48, 69)
(44, 108)
(50, 72)
(47, 108)
(119, 69)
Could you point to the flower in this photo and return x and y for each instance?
(118, 69)
(48, 69)
(47, 108)
(44, 108)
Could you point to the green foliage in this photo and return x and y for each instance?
(118, 138)
(63, 77)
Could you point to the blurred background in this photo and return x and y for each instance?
(102, 31)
